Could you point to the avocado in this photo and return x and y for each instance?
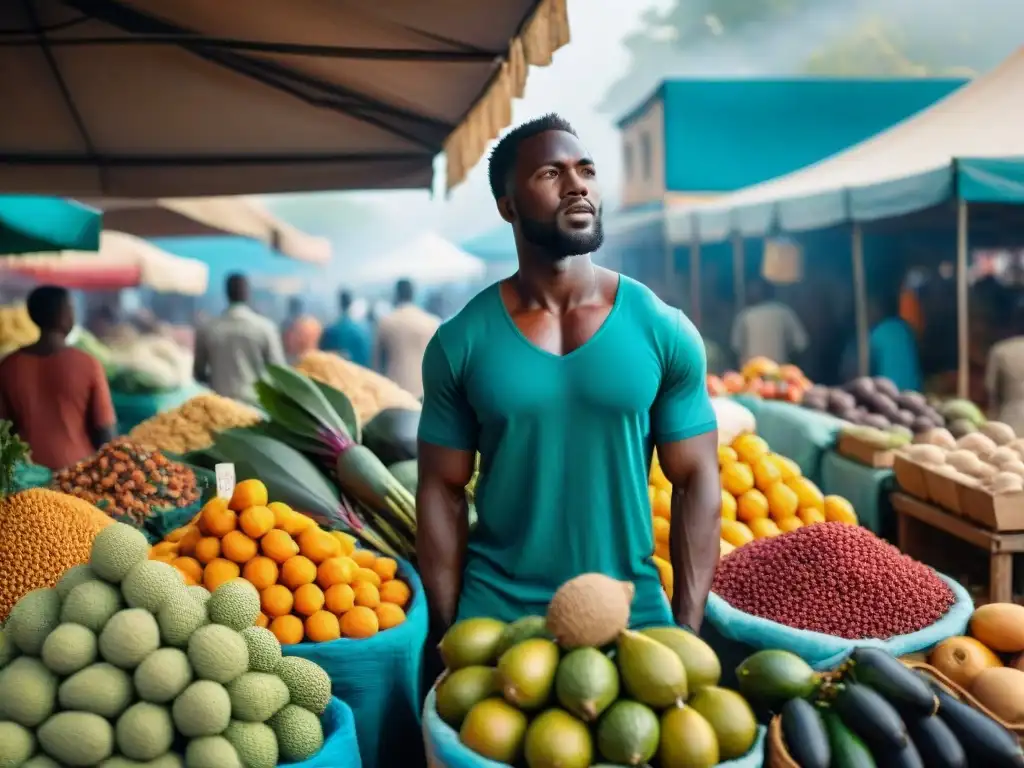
(731, 718)
(687, 740)
(651, 672)
(586, 683)
(771, 678)
(556, 739)
(471, 642)
(526, 628)
(526, 673)
(699, 660)
(495, 729)
(463, 689)
(628, 733)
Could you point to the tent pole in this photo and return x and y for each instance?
(963, 378)
(739, 272)
(695, 282)
(860, 302)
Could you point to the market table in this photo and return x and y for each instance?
(132, 410)
(798, 433)
(866, 488)
(1001, 546)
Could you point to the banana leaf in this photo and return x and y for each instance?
(346, 411)
(286, 413)
(301, 389)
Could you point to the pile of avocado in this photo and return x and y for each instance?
(874, 712)
(517, 697)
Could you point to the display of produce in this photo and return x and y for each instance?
(313, 586)
(989, 662)
(146, 364)
(871, 711)
(992, 457)
(836, 579)
(14, 452)
(578, 688)
(877, 403)
(129, 482)
(192, 426)
(42, 534)
(369, 392)
(16, 329)
(764, 378)
(122, 662)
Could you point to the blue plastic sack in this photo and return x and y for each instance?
(825, 651)
(379, 678)
(132, 410)
(444, 750)
(341, 746)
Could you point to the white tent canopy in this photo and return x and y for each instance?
(879, 176)
(428, 260)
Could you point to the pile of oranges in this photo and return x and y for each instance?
(314, 585)
(763, 495)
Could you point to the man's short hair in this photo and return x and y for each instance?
(45, 305)
(502, 161)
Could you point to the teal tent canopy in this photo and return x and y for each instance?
(34, 224)
(494, 245)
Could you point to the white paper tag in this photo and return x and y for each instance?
(225, 480)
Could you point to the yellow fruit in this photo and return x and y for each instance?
(287, 629)
(276, 600)
(658, 479)
(190, 567)
(736, 533)
(218, 571)
(766, 474)
(216, 519)
(347, 541)
(810, 515)
(238, 548)
(336, 570)
(359, 623)
(256, 521)
(661, 530)
(728, 505)
(726, 455)
(782, 501)
(396, 592)
(364, 558)
(187, 543)
(385, 567)
(662, 506)
(725, 548)
(389, 616)
(206, 549)
(664, 574)
(839, 510)
(651, 491)
(339, 598)
(318, 545)
(261, 572)
(248, 493)
(366, 594)
(737, 478)
(787, 466)
(749, 448)
(278, 546)
(368, 575)
(808, 493)
(764, 529)
(309, 599)
(281, 513)
(752, 505)
(262, 620)
(322, 627)
(296, 571)
(788, 524)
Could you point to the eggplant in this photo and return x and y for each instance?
(986, 742)
(907, 692)
(937, 744)
(871, 717)
(908, 757)
(803, 731)
(848, 750)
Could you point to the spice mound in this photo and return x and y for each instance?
(192, 426)
(837, 579)
(128, 481)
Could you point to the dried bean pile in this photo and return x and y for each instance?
(837, 579)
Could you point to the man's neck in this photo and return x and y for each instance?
(556, 285)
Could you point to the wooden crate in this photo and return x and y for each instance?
(910, 476)
(863, 452)
(1004, 512)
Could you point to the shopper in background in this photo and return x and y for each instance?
(347, 337)
(233, 350)
(766, 327)
(301, 333)
(402, 338)
(1004, 376)
(892, 343)
(56, 396)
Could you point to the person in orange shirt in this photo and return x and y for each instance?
(55, 395)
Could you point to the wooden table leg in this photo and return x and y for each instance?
(903, 538)
(1000, 588)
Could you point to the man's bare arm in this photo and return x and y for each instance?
(692, 467)
(442, 529)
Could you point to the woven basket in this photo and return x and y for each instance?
(1017, 729)
(776, 754)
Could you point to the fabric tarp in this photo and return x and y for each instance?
(169, 98)
(427, 260)
(913, 166)
(30, 223)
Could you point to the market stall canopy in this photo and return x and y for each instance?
(30, 223)
(176, 98)
(968, 146)
(429, 260)
(123, 261)
(199, 216)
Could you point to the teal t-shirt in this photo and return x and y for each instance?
(565, 445)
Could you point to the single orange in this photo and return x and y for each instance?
(808, 493)
(360, 623)
(256, 521)
(662, 530)
(278, 546)
(296, 571)
(308, 599)
(276, 600)
(187, 543)
(782, 501)
(238, 547)
(766, 473)
(339, 598)
(216, 519)
(281, 512)
(163, 548)
(177, 534)
(288, 629)
(811, 515)
(218, 571)
(336, 570)
(396, 592)
(189, 566)
(366, 574)
(318, 545)
(389, 615)
(347, 541)
(728, 505)
(248, 493)
(262, 620)
(261, 572)
(751, 506)
(839, 510)
(366, 594)
(322, 627)
(207, 549)
(788, 524)
(296, 523)
(364, 558)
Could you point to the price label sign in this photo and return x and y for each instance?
(225, 480)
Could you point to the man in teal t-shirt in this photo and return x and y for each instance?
(564, 377)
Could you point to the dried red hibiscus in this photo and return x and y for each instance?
(836, 579)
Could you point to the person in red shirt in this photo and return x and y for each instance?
(56, 396)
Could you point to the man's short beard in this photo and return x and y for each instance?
(561, 243)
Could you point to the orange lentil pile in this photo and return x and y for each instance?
(129, 482)
(42, 534)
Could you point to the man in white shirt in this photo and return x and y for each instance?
(401, 340)
(767, 327)
(233, 350)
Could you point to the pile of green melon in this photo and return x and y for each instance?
(121, 664)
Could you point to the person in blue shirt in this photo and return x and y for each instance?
(347, 337)
(892, 344)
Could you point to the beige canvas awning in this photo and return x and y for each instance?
(181, 98)
(199, 216)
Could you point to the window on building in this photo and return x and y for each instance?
(645, 155)
(627, 160)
